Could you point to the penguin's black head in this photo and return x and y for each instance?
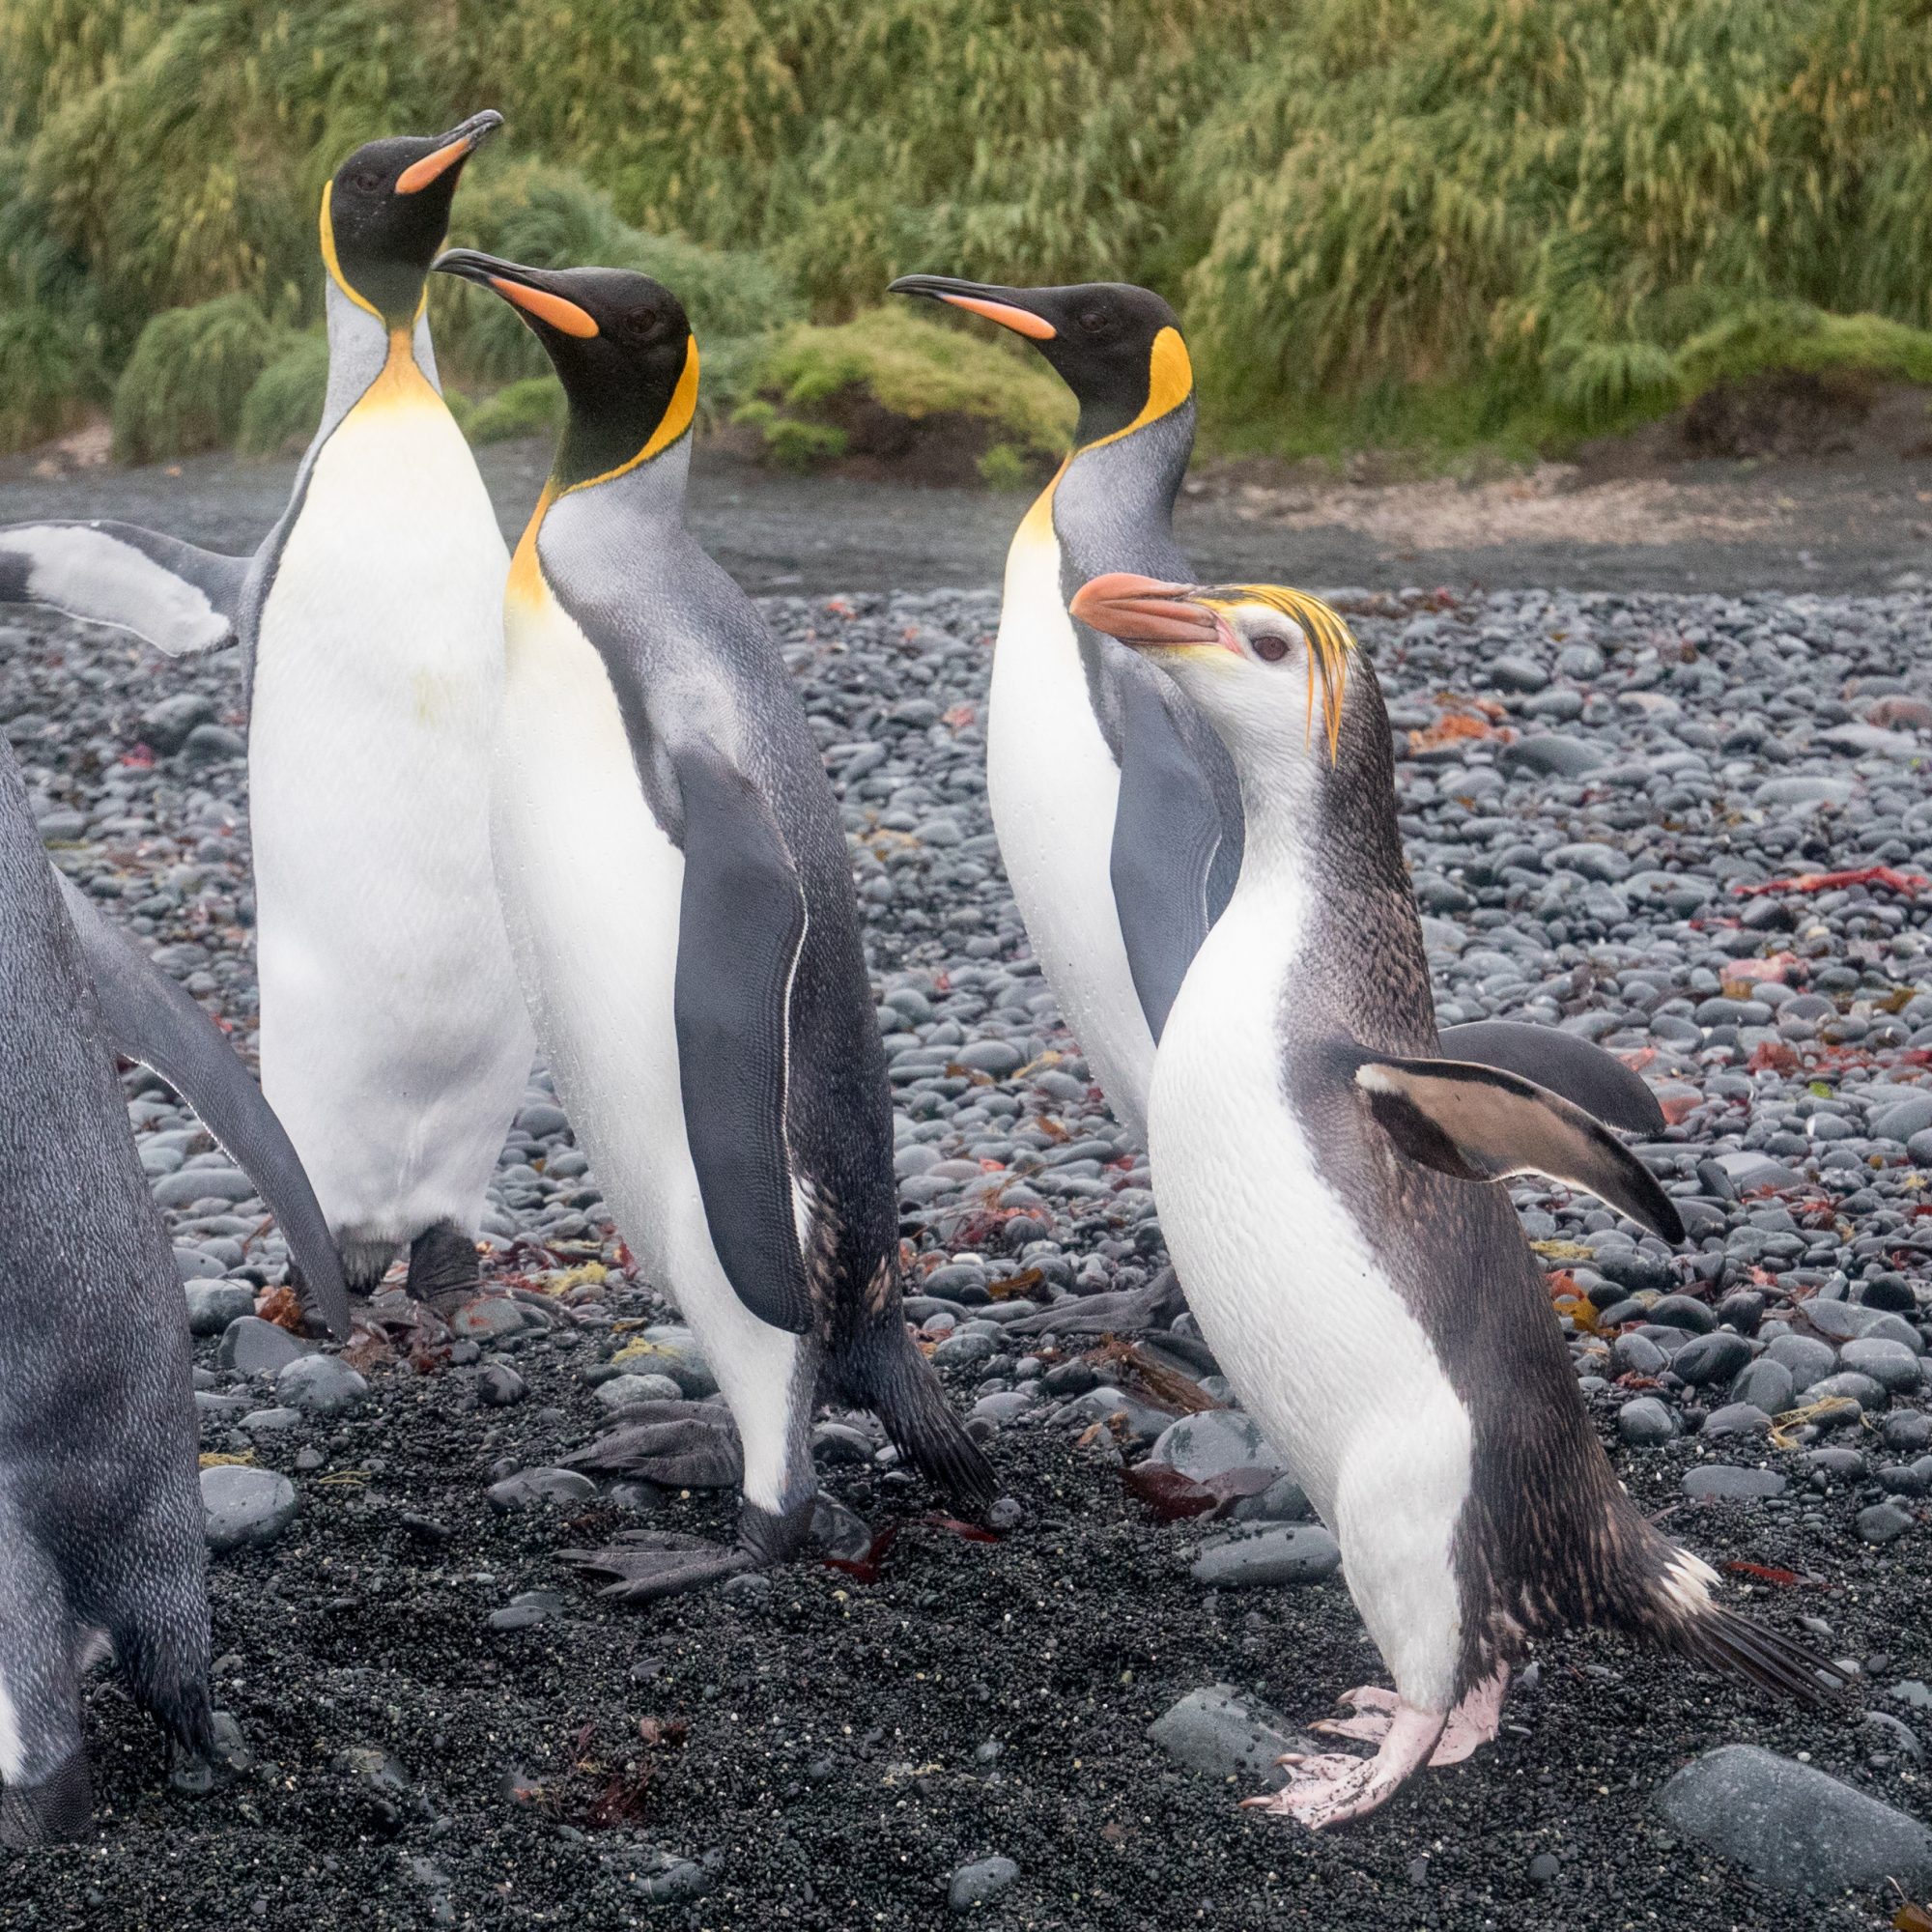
(1117, 346)
(622, 349)
(386, 209)
(1277, 672)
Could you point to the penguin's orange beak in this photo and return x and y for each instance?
(996, 304)
(458, 145)
(1144, 612)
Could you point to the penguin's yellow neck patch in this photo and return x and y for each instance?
(333, 265)
(1036, 526)
(1170, 384)
(525, 584)
(401, 385)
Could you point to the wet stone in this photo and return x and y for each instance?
(1723, 1481)
(1224, 1732)
(1284, 1553)
(245, 1505)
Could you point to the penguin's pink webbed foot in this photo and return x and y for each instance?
(1330, 1790)
(1472, 1723)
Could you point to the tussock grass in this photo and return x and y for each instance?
(283, 406)
(1421, 220)
(191, 374)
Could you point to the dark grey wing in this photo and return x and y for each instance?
(1167, 829)
(178, 598)
(1583, 1072)
(146, 1016)
(741, 921)
(1479, 1123)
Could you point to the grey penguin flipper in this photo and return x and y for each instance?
(741, 921)
(146, 1016)
(179, 598)
(1167, 829)
(1585, 1073)
(1481, 1124)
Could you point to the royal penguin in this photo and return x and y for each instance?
(1327, 1179)
(1117, 808)
(394, 1045)
(680, 903)
(102, 1540)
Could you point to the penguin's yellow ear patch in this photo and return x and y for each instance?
(562, 315)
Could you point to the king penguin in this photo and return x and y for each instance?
(1326, 1178)
(1117, 808)
(101, 1538)
(712, 1036)
(394, 1042)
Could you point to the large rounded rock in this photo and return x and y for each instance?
(1210, 1444)
(245, 1505)
(1793, 1826)
(1300, 1553)
(320, 1385)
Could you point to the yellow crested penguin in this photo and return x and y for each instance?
(1324, 1178)
(394, 1042)
(714, 1039)
(1118, 811)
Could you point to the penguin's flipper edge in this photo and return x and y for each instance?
(1482, 1124)
(146, 1016)
(741, 921)
(1167, 827)
(1588, 1075)
(174, 596)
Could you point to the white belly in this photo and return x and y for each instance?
(1052, 786)
(590, 888)
(1320, 1347)
(394, 1045)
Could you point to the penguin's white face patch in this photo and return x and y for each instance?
(1275, 680)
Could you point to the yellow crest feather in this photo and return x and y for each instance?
(1330, 645)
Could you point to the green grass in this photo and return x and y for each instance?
(531, 406)
(189, 377)
(1438, 223)
(283, 406)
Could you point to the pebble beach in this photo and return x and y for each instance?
(1694, 829)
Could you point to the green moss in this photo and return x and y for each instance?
(190, 372)
(45, 378)
(1794, 335)
(532, 406)
(917, 368)
(1005, 468)
(283, 407)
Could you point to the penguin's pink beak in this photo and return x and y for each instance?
(1144, 612)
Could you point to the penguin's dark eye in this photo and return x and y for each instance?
(639, 325)
(1095, 321)
(1269, 647)
(366, 180)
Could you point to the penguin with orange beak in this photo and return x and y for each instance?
(713, 1040)
(1326, 1168)
(1119, 814)
(394, 1042)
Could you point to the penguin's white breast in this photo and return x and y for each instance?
(393, 1036)
(590, 885)
(1054, 789)
(1319, 1342)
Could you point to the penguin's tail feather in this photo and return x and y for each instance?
(1682, 1612)
(881, 1368)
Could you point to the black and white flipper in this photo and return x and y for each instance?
(172, 595)
(148, 1018)
(1481, 1124)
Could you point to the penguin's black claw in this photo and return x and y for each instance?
(678, 1445)
(647, 1564)
(443, 1262)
